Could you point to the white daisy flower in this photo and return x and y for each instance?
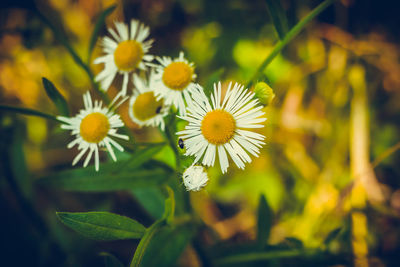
(92, 128)
(195, 178)
(144, 108)
(174, 79)
(125, 52)
(221, 126)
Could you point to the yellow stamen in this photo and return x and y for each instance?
(146, 106)
(177, 75)
(218, 126)
(94, 127)
(128, 55)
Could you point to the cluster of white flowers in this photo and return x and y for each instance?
(215, 128)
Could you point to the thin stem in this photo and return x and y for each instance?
(29, 112)
(289, 36)
(170, 134)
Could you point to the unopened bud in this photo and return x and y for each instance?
(195, 178)
(264, 93)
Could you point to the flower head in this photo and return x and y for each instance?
(92, 129)
(264, 93)
(223, 126)
(174, 81)
(144, 108)
(195, 178)
(125, 52)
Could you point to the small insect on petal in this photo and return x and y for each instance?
(181, 144)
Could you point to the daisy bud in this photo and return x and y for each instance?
(264, 93)
(195, 178)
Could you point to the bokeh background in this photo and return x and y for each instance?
(333, 129)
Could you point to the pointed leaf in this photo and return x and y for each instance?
(81, 180)
(332, 235)
(264, 222)
(151, 198)
(169, 205)
(278, 16)
(140, 156)
(102, 225)
(110, 260)
(293, 242)
(99, 24)
(56, 97)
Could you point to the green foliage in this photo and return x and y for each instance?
(264, 223)
(163, 242)
(151, 198)
(121, 175)
(99, 24)
(166, 245)
(169, 210)
(56, 97)
(140, 156)
(27, 111)
(102, 225)
(110, 260)
(88, 180)
(278, 17)
(332, 236)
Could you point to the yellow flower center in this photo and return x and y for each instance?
(177, 75)
(146, 106)
(218, 126)
(94, 127)
(128, 55)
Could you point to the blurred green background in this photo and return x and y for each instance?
(332, 131)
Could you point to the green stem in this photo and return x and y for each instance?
(144, 242)
(170, 130)
(289, 36)
(29, 112)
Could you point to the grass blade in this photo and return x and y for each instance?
(278, 16)
(99, 24)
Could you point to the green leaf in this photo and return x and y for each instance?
(18, 162)
(151, 198)
(264, 222)
(110, 260)
(102, 225)
(56, 97)
(162, 245)
(29, 112)
(145, 242)
(167, 245)
(332, 235)
(169, 205)
(81, 180)
(152, 249)
(120, 175)
(99, 24)
(140, 156)
(293, 242)
(278, 16)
